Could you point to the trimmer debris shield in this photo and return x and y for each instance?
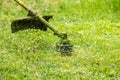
(29, 23)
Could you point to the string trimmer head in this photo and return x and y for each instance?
(33, 21)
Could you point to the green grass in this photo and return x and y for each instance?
(93, 26)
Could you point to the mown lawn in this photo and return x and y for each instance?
(93, 26)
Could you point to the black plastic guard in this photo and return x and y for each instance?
(29, 23)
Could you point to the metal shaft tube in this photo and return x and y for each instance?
(40, 18)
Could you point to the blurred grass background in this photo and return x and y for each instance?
(93, 26)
